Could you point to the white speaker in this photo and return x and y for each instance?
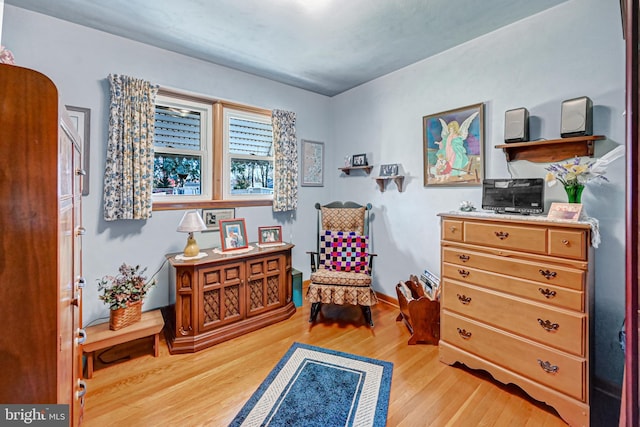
(516, 125)
(576, 118)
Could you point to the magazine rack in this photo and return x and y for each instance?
(420, 313)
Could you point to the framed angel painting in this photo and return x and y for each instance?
(453, 147)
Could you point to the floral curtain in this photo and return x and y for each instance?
(285, 185)
(128, 176)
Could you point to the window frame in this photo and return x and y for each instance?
(216, 150)
(206, 164)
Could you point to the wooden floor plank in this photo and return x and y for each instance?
(209, 387)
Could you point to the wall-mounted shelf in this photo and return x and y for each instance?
(347, 170)
(382, 181)
(551, 150)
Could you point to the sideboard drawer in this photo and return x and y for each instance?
(544, 365)
(530, 239)
(563, 330)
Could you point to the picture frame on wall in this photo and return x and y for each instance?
(212, 217)
(233, 234)
(312, 164)
(453, 147)
(271, 235)
(81, 119)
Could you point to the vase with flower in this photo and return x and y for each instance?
(124, 293)
(574, 175)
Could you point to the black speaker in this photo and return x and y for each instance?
(516, 125)
(576, 118)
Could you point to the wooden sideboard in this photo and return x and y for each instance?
(222, 296)
(517, 302)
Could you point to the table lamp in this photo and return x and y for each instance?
(189, 223)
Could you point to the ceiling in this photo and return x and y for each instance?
(325, 46)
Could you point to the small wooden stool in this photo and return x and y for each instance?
(100, 336)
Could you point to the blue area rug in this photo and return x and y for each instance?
(313, 386)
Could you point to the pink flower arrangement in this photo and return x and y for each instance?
(6, 57)
(128, 286)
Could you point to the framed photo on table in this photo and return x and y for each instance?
(569, 211)
(270, 235)
(233, 234)
(453, 147)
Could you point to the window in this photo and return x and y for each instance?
(248, 148)
(182, 147)
(210, 153)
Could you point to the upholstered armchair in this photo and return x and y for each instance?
(341, 266)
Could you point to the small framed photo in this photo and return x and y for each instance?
(569, 211)
(359, 160)
(389, 170)
(212, 217)
(233, 234)
(270, 235)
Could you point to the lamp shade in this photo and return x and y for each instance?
(191, 222)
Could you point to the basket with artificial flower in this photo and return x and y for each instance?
(574, 174)
(124, 294)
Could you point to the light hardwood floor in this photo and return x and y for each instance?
(209, 387)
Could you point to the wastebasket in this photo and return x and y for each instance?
(297, 287)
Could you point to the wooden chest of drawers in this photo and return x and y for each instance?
(517, 302)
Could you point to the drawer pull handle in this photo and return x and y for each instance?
(501, 234)
(453, 229)
(547, 325)
(464, 334)
(548, 274)
(185, 331)
(548, 367)
(464, 273)
(464, 258)
(565, 242)
(464, 299)
(548, 293)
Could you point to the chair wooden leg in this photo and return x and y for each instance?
(366, 311)
(315, 309)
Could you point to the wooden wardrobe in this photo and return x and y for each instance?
(40, 245)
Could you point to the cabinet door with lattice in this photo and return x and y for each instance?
(220, 298)
(265, 289)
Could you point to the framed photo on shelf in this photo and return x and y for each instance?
(453, 147)
(270, 235)
(233, 234)
(389, 170)
(212, 217)
(312, 163)
(359, 160)
(569, 211)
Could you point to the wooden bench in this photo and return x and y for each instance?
(100, 336)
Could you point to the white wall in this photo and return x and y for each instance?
(571, 50)
(78, 60)
(574, 49)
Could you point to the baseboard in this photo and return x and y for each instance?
(387, 299)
